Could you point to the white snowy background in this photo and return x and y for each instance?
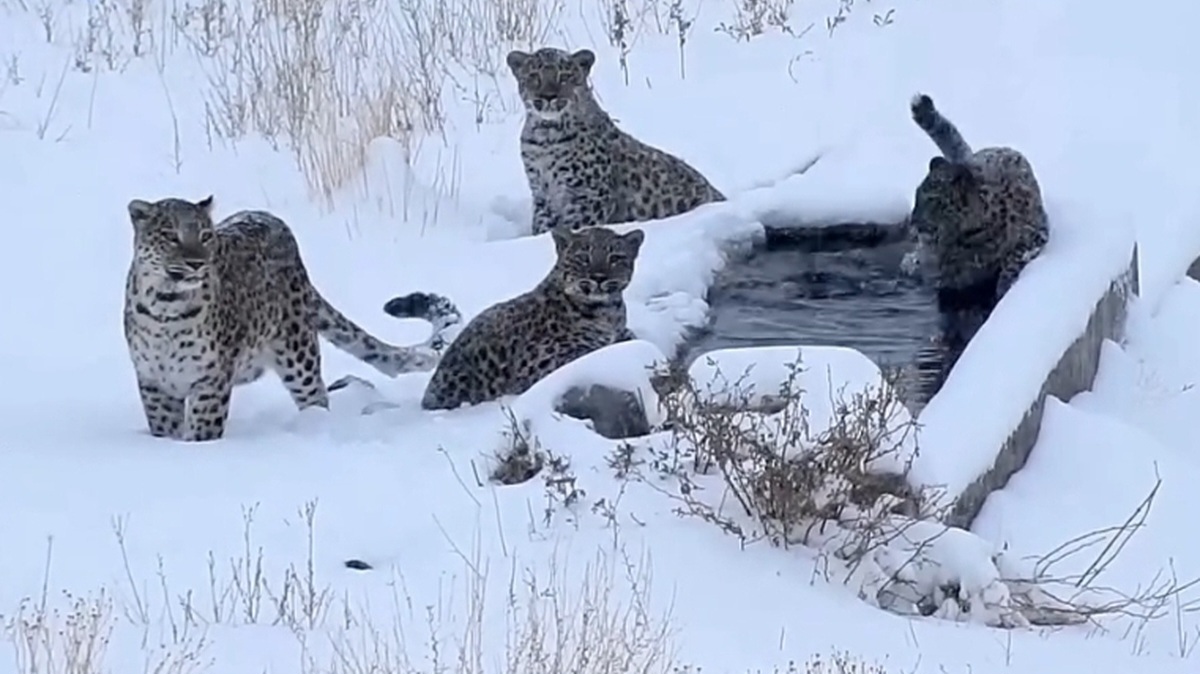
(102, 101)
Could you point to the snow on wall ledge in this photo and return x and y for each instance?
(1043, 339)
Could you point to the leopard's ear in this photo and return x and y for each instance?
(938, 163)
(140, 212)
(517, 58)
(965, 177)
(633, 240)
(206, 203)
(562, 239)
(585, 59)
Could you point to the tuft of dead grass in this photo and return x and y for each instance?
(70, 634)
(598, 623)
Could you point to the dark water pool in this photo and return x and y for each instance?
(842, 288)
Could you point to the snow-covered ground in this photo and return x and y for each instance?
(1104, 103)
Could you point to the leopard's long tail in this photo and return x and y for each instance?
(941, 130)
(389, 359)
(440, 311)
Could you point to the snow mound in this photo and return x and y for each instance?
(826, 376)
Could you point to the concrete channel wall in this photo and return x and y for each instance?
(971, 444)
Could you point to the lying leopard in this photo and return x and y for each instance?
(210, 307)
(978, 217)
(576, 309)
(582, 169)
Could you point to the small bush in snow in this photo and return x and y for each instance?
(522, 457)
(796, 483)
(828, 473)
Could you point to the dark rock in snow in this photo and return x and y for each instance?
(614, 413)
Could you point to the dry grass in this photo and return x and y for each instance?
(70, 634)
(324, 78)
(837, 662)
(598, 624)
(597, 621)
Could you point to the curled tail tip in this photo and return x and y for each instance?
(921, 104)
(428, 306)
(412, 305)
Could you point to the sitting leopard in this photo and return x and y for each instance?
(208, 308)
(576, 309)
(978, 217)
(582, 169)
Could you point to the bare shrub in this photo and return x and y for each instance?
(1048, 597)
(796, 484)
(781, 478)
(755, 17)
(758, 466)
(522, 457)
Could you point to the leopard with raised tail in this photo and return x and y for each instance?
(978, 217)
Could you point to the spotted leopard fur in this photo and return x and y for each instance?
(582, 169)
(978, 217)
(576, 309)
(210, 307)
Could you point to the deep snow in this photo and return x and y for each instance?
(1102, 102)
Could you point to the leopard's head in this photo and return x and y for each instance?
(174, 240)
(551, 81)
(948, 199)
(595, 264)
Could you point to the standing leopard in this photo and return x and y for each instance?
(978, 217)
(210, 307)
(576, 309)
(582, 169)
